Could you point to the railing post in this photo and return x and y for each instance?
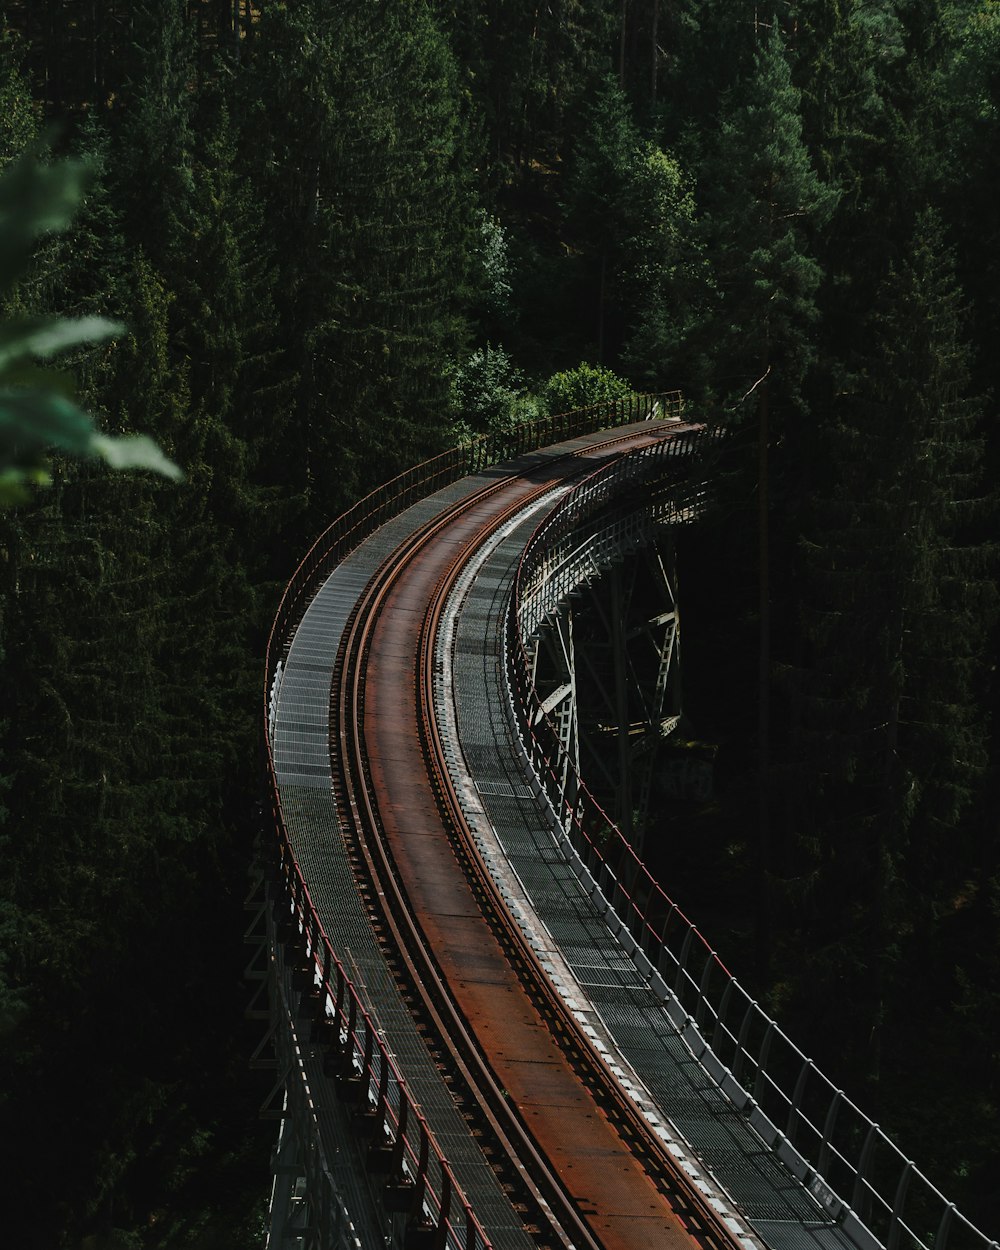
(682, 962)
(720, 1020)
(703, 988)
(351, 1040)
(366, 1063)
(897, 1206)
(400, 1142)
(859, 1198)
(420, 1180)
(793, 1110)
(741, 1041)
(382, 1101)
(441, 1240)
(765, 1050)
(829, 1124)
(944, 1228)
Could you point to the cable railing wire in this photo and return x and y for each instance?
(419, 1181)
(852, 1169)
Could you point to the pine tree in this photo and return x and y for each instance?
(602, 189)
(527, 66)
(765, 202)
(373, 222)
(667, 281)
(970, 170)
(631, 216)
(18, 125)
(898, 623)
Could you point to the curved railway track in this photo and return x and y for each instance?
(581, 1164)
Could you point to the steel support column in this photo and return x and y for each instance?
(555, 656)
(608, 673)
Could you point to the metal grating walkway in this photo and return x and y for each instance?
(300, 743)
(773, 1202)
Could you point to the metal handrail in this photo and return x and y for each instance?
(849, 1165)
(420, 1174)
(364, 1065)
(395, 496)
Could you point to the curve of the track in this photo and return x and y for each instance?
(570, 1136)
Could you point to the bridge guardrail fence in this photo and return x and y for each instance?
(401, 1148)
(854, 1172)
(395, 496)
(419, 1180)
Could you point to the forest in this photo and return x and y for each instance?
(337, 236)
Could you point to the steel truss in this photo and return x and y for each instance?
(308, 1206)
(607, 669)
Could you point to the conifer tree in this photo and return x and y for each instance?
(765, 204)
(765, 201)
(970, 172)
(601, 193)
(374, 217)
(901, 605)
(17, 114)
(667, 280)
(527, 66)
(631, 214)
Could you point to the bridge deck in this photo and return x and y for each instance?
(596, 974)
(300, 742)
(598, 977)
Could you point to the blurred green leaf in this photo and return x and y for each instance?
(37, 408)
(45, 336)
(35, 419)
(15, 483)
(134, 451)
(35, 198)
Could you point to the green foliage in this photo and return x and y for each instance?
(602, 201)
(668, 280)
(584, 385)
(899, 604)
(526, 69)
(374, 229)
(36, 409)
(765, 199)
(489, 394)
(969, 80)
(631, 213)
(18, 127)
(493, 256)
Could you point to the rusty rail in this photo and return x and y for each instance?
(419, 1179)
(395, 496)
(852, 1169)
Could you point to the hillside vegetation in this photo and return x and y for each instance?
(340, 235)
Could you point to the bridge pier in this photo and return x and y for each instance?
(607, 669)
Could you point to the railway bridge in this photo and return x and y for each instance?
(489, 1026)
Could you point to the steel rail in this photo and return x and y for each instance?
(341, 1017)
(361, 810)
(712, 1228)
(360, 815)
